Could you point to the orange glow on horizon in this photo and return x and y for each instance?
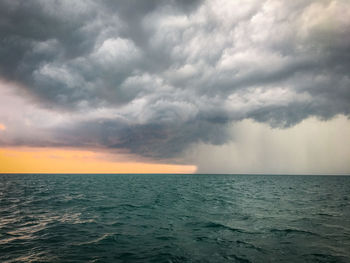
(2, 127)
(57, 160)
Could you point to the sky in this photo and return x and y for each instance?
(217, 86)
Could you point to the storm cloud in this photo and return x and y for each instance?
(155, 77)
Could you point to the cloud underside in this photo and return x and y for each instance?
(154, 77)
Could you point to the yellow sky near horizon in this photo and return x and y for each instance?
(59, 160)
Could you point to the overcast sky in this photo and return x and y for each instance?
(229, 86)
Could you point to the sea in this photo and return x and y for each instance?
(174, 218)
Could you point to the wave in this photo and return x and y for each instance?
(238, 259)
(327, 258)
(250, 245)
(233, 229)
(293, 231)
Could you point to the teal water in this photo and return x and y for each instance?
(174, 218)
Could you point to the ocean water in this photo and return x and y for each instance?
(174, 218)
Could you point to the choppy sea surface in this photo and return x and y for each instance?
(174, 218)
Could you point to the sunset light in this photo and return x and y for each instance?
(51, 160)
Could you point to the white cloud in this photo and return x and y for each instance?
(115, 51)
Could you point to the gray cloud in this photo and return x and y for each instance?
(155, 77)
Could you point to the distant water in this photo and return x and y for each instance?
(174, 218)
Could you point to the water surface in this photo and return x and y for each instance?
(174, 218)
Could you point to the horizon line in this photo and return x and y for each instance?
(274, 174)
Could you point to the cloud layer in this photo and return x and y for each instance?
(154, 77)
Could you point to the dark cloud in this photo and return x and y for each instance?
(153, 140)
(173, 73)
